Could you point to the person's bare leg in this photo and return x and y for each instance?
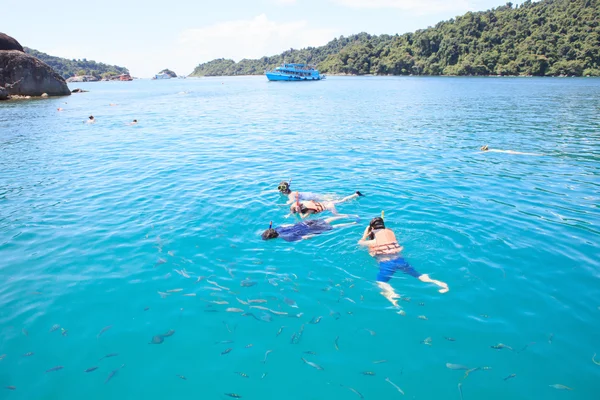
(347, 198)
(427, 279)
(388, 293)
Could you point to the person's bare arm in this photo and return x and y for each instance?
(363, 241)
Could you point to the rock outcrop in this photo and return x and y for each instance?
(82, 78)
(25, 75)
(9, 43)
(3, 93)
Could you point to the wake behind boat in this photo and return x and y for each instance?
(294, 72)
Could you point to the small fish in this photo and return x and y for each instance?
(243, 375)
(146, 308)
(224, 342)
(279, 331)
(290, 302)
(315, 320)
(189, 294)
(248, 346)
(181, 377)
(379, 361)
(247, 283)
(350, 300)
(158, 339)
(277, 312)
(64, 332)
(510, 377)
(11, 387)
(357, 392)
(55, 327)
(260, 308)
(550, 338)
(560, 387)
(456, 367)
(460, 391)
(226, 351)
(103, 330)
(91, 369)
(312, 364)
(109, 355)
(368, 373)
(217, 285)
(593, 359)
(335, 343)
(402, 312)
(450, 339)
(242, 301)
(234, 310)
(234, 395)
(394, 385)
(263, 375)
(249, 314)
(170, 332)
(219, 302)
(24, 331)
(525, 347)
(170, 252)
(28, 354)
(163, 295)
(257, 301)
(266, 354)
(113, 373)
(312, 353)
(422, 317)
(174, 290)
(426, 341)
(501, 346)
(471, 370)
(58, 368)
(372, 333)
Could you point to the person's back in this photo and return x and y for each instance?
(385, 243)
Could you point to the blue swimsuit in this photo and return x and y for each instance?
(293, 233)
(388, 267)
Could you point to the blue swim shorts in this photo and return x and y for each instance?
(388, 267)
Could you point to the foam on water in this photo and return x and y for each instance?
(95, 219)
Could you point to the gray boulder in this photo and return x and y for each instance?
(3, 93)
(22, 74)
(9, 43)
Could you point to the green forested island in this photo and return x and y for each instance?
(68, 68)
(546, 38)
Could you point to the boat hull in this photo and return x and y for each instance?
(291, 78)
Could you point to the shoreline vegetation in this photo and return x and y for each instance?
(73, 68)
(546, 38)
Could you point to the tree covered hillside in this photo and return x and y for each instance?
(546, 38)
(68, 68)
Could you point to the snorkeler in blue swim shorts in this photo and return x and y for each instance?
(384, 247)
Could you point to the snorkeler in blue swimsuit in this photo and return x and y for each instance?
(384, 247)
(304, 229)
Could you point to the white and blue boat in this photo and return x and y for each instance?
(294, 72)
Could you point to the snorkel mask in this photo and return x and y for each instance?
(284, 187)
(375, 224)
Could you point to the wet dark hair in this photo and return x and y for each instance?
(269, 234)
(135, 120)
(91, 117)
(377, 223)
(284, 187)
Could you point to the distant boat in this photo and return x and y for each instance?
(162, 76)
(294, 72)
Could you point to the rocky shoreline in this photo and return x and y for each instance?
(24, 76)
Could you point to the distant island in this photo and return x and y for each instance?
(70, 68)
(546, 38)
(168, 72)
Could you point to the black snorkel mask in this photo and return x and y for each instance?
(375, 224)
(284, 187)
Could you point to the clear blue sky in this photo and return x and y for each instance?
(147, 36)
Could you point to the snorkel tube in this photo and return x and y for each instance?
(382, 214)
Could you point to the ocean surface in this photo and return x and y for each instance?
(97, 219)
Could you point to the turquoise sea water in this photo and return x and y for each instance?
(95, 219)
